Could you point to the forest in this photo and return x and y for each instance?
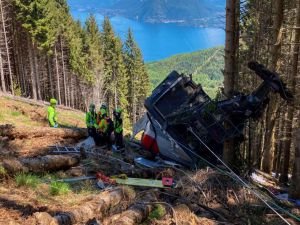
(45, 53)
(267, 32)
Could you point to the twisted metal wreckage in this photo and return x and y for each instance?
(184, 125)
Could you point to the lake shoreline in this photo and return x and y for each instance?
(161, 40)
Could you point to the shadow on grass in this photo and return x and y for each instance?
(25, 209)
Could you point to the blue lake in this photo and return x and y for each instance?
(158, 41)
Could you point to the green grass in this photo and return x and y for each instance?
(1, 117)
(158, 212)
(19, 113)
(28, 180)
(16, 113)
(59, 188)
(2, 171)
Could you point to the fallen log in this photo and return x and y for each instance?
(96, 208)
(40, 164)
(136, 214)
(23, 132)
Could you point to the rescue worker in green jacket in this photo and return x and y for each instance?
(91, 121)
(118, 128)
(52, 115)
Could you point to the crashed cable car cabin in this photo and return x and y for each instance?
(184, 125)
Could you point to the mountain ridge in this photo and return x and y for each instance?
(202, 13)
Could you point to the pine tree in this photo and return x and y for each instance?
(93, 48)
(138, 80)
(115, 77)
(272, 111)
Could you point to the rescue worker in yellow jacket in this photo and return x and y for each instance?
(52, 115)
(105, 127)
(102, 111)
(91, 120)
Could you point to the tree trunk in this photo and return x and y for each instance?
(274, 102)
(6, 47)
(50, 77)
(3, 87)
(20, 61)
(115, 95)
(231, 72)
(34, 132)
(276, 149)
(40, 164)
(96, 208)
(32, 71)
(36, 69)
(291, 109)
(294, 191)
(72, 91)
(64, 71)
(57, 75)
(136, 214)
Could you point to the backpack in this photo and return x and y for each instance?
(110, 127)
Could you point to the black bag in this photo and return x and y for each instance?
(110, 124)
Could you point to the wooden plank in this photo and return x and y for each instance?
(140, 182)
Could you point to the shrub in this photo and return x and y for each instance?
(28, 180)
(17, 90)
(158, 212)
(59, 188)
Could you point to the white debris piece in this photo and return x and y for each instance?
(258, 178)
(86, 144)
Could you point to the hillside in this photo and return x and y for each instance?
(205, 66)
(24, 112)
(29, 117)
(202, 13)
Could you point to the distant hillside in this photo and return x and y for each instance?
(88, 4)
(206, 13)
(205, 66)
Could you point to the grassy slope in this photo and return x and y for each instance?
(21, 113)
(205, 66)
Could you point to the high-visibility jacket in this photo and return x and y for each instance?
(91, 119)
(52, 116)
(101, 114)
(103, 125)
(118, 125)
(106, 125)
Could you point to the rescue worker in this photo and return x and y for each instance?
(52, 115)
(91, 121)
(102, 111)
(105, 128)
(118, 128)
